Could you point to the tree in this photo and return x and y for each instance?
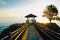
(50, 11)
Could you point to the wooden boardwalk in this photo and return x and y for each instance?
(32, 32)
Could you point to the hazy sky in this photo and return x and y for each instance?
(20, 8)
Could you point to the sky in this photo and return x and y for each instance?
(21, 8)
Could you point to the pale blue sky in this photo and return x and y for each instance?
(10, 3)
(13, 3)
(21, 8)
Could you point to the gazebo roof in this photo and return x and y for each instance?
(30, 15)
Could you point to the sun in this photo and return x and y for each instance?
(42, 20)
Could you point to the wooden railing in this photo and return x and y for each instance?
(15, 34)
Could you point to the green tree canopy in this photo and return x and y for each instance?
(50, 11)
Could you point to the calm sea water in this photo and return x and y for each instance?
(6, 21)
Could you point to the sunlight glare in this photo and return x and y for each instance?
(43, 20)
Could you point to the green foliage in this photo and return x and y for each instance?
(50, 11)
(52, 8)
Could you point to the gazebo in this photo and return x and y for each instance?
(31, 20)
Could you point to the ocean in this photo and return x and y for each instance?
(5, 22)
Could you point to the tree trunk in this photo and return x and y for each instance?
(50, 21)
